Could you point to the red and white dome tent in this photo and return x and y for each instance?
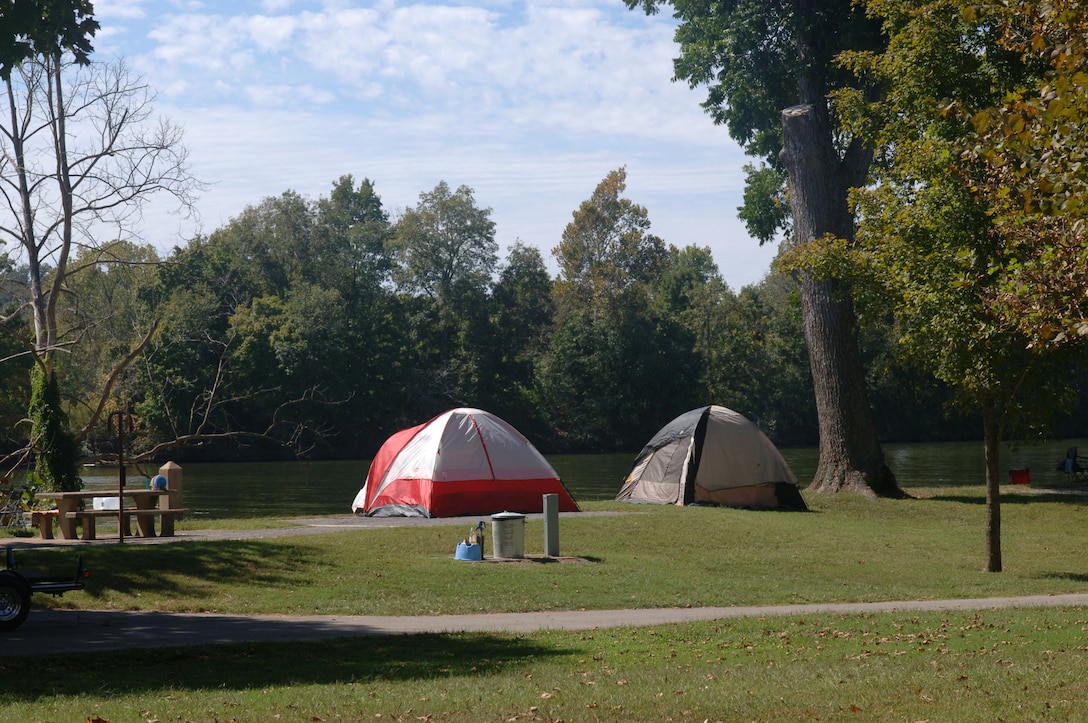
(463, 462)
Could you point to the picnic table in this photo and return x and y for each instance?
(139, 503)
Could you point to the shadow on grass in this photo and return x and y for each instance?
(1070, 576)
(257, 665)
(1014, 499)
(163, 569)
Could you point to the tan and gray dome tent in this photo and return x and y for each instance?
(712, 455)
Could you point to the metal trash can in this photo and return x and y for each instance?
(508, 535)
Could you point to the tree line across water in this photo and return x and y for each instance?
(318, 327)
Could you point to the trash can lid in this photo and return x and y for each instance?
(508, 516)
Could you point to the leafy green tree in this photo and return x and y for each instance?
(769, 68)
(254, 361)
(445, 253)
(268, 247)
(16, 341)
(766, 210)
(352, 230)
(280, 329)
(211, 377)
(750, 345)
(45, 27)
(763, 365)
(444, 240)
(55, 449)
(1033, 143)
(107, 304)
(522, 310)
(609, 380)
(616, 366)
(931, 236)
(288, 361)
(607, 248)
(939, 278)
(691, 290)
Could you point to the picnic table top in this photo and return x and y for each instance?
(88, 494)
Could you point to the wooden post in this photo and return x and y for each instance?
(122, 419)
(174, 482)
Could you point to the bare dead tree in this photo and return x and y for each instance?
(81, 153)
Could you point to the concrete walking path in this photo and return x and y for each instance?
(52, 631)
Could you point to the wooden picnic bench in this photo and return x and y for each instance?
(43, 520)
(140, 504)
(145, 520)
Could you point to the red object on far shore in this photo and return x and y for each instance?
(1020, 476)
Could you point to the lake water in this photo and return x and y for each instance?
(322, 488)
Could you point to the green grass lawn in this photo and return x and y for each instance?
(982, 666)
(985, 666)
(847, 549)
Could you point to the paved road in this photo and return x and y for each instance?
(51, 631)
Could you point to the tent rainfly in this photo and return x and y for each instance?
(462, 462)
(712, 455)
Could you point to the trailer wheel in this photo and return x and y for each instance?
(14, 600)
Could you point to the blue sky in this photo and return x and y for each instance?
(530, 104)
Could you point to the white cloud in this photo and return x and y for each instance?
(193, 43)
(288, 95)
(529, 104)
(271, 34)
(118, 9)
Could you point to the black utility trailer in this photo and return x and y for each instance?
(17, 586)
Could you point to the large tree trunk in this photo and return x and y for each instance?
(850, 454)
